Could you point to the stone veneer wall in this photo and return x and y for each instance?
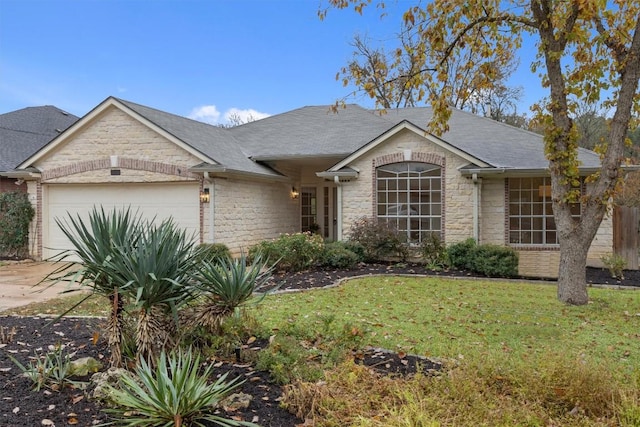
(143, 156)
(359, 195)
(492, 211)
(246, 212)
(116, 133)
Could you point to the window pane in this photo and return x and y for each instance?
(536, 238)
(530, 210)
(409, 196)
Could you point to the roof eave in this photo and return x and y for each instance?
(515, 172)
(275, 158)
(225, 172)
(26, 174)
(339, 174)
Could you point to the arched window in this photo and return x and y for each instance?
(409, 196)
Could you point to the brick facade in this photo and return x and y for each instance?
(8, 185)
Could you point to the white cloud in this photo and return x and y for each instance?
(232, 116)
(244, 116)
(206, 113)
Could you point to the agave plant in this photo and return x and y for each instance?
(172, 394)
(97, 242)
(155, 273)
(225, 286)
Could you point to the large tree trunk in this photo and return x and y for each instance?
(575, 237)
(572, 277)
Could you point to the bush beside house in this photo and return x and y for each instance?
(16, 213)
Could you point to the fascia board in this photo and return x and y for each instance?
(415, 129)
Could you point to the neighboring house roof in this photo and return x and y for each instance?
(25, 131)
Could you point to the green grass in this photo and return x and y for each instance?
(514, 355)
(94, 306)
(471, 318)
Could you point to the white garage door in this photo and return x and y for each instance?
(180, 201)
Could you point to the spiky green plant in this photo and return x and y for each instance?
(226, 285)
(156, 273)
(172, 394)
(96, 242)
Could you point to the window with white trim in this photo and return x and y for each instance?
(531, 220)
(409, 196)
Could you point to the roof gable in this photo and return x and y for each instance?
(405, 125)
(497, 144)
(210, 144)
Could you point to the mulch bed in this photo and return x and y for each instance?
(22, 336)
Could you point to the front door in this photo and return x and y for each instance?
(319, 211)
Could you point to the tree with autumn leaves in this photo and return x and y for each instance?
(588, 53)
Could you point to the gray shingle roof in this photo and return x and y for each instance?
(214, 142)
(25, 131)
(497, 144)
(310, 131)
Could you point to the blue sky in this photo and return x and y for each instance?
(187, 56)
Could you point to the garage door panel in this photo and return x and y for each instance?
(179, 201)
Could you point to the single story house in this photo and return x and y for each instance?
(22, 133)
(306, 169)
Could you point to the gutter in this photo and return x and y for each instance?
(511, 172)
(337, 174)
(222, 171)
(477, 184)
(26, 174)
(336, 180)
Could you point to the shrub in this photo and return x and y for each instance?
(356, 248)
(53, 369)
(174, 393)
(380, 239)
(16, 214)
(213, 252)
(433, 251)
(489, 260)
(293, 252)
(615, 264)
(338, 255)
(494, 261)
(225, 286)
(461, 254)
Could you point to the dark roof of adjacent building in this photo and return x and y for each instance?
(25, 131)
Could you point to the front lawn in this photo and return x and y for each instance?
(471, 318)
(512, 354)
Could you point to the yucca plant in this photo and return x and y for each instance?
(156, 274)
(225, 286)
(96, 242)
(171, 394)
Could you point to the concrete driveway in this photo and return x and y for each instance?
(17, 280)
